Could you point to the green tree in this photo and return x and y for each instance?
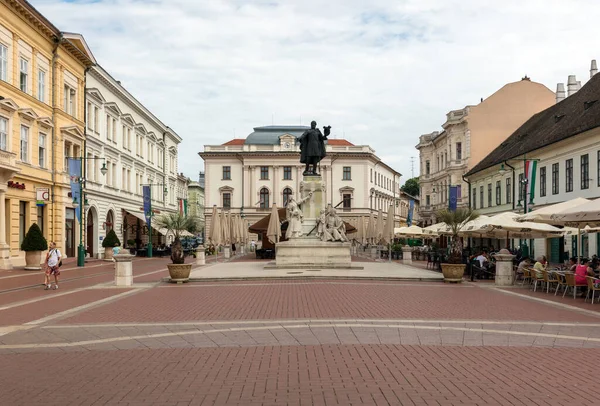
(411, 186)
(175, 223)
(111, 240)
(456, 220)
(34, 240)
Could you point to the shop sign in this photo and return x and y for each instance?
(42, 196)
(16, 185)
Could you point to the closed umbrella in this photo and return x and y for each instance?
(274, 229)
(215, 229)
(224, 228)
(234, 229)
(360, 230)
(379, 228)
(388, 230)
(241, 234)
(371, 229)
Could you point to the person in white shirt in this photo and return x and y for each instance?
(482, 259)
(53, 263)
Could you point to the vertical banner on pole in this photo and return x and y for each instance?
(530, 170)
(147, 203)
(453, 198)
(74, 165)
(411, 209)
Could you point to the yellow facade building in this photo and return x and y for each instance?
(42, 90)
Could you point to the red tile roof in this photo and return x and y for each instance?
(339, 143)
(236, 141)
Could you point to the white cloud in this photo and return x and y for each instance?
(380, 72)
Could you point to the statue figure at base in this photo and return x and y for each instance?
(312, 148)
(330, 226)
(295, 217)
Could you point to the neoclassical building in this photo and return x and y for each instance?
(42, 71)
(248, 175)
(196, 204)
(138, 149)
(468, 135)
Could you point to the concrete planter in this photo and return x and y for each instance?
(179, 272)
(33, 260)
(108, 254)
(453, 272)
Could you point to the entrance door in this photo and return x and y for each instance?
(70, 233)
(90, 234)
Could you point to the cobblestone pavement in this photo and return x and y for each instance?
(297, 342)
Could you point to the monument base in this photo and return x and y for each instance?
(311, 253)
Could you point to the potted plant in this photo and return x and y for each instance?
(33, 244)
(176, 223)
(110, 241)
(455, 268)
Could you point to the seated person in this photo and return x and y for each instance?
(482, 258)
(572, 264)
(581, 271)
(525, 263)
(539, 266)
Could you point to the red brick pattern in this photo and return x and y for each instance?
(303, 375)
(301, 300)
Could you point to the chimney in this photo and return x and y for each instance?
(578, 85)
(560, 92)
(593, 68)
(571, 85)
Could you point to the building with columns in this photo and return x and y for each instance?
(138, 149)
(196, 204)
(42, 71)
(249, 175)
(468, 135)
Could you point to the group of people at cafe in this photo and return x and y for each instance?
(581, 269)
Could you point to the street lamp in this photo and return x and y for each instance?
(81, 181)
(151, 214)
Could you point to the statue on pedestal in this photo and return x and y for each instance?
(312, 148)
(295, 217)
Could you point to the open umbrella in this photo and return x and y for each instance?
(587, 214)
(215, 229)
(411, 232)
(274, 229)
(437, 229)
(546, 214)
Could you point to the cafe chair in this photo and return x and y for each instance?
(591, 288)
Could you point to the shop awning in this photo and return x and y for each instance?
(141, 216)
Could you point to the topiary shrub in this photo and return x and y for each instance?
(111, 240)
(34, 240)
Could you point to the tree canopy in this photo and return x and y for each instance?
(411, 186)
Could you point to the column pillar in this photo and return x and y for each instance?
(245, 179)
(16, 67)
(275, 185)
(252, 182)
(4, 247)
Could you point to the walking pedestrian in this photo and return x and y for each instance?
(53, 263)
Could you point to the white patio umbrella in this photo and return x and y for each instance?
(379, 228)
(241, 234)
(274, 228)
(215, 229)
(546, 214)
(587, 214)
(388, 230)
(233, 226)
(224, 228)
(437, 229)
(411, 232)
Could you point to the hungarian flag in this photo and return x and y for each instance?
(530, 170)
(183, 207)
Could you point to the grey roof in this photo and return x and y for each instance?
(269, 134)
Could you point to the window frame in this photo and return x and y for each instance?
(264, 173)
(489, 190)
(569, 175)
(428, 166)
(21, 140)
(474, 194)
(287, 173)
(347, 198)
(3, 62)
(543, 181)
(585, 171)
(481, 197)
(347, 173)
(226, 172)
(286, 195)
(555, 178)
(521, 187)
(42, 149)
(264, 197)
(4, 144)
(498, 193)
(23, 74)
(41, 96)
(459, 150)
(226, 200)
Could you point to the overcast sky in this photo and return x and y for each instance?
(379, 72)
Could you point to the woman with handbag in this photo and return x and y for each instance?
(53, 263)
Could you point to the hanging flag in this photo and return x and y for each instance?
(411, 209)
(185, 208)
(147, 203)
(74, 165)
(530, 171)
(452, 201)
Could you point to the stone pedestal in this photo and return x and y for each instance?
(5, 262)
(123, 269)
(504, 268)
(311, 209)
(200, 259)
(308, 253)
(226, 252)
(407, 255)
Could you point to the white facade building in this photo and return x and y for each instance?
(565, 141)
(248, 175)
(138, 149)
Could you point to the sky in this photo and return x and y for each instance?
(380, 73)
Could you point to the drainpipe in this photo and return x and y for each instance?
(513, 183)
(58, 40)
(469, 184)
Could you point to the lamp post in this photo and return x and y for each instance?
(81, 181)
(151, 214)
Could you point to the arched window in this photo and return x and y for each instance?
(287, 194)
(109, 221)
(264, 198)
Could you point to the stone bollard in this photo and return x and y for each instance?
(407, 255)
(200, 259)
(504, 268)
(226, 252)
(123, 269)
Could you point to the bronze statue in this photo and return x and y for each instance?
(312, 148)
